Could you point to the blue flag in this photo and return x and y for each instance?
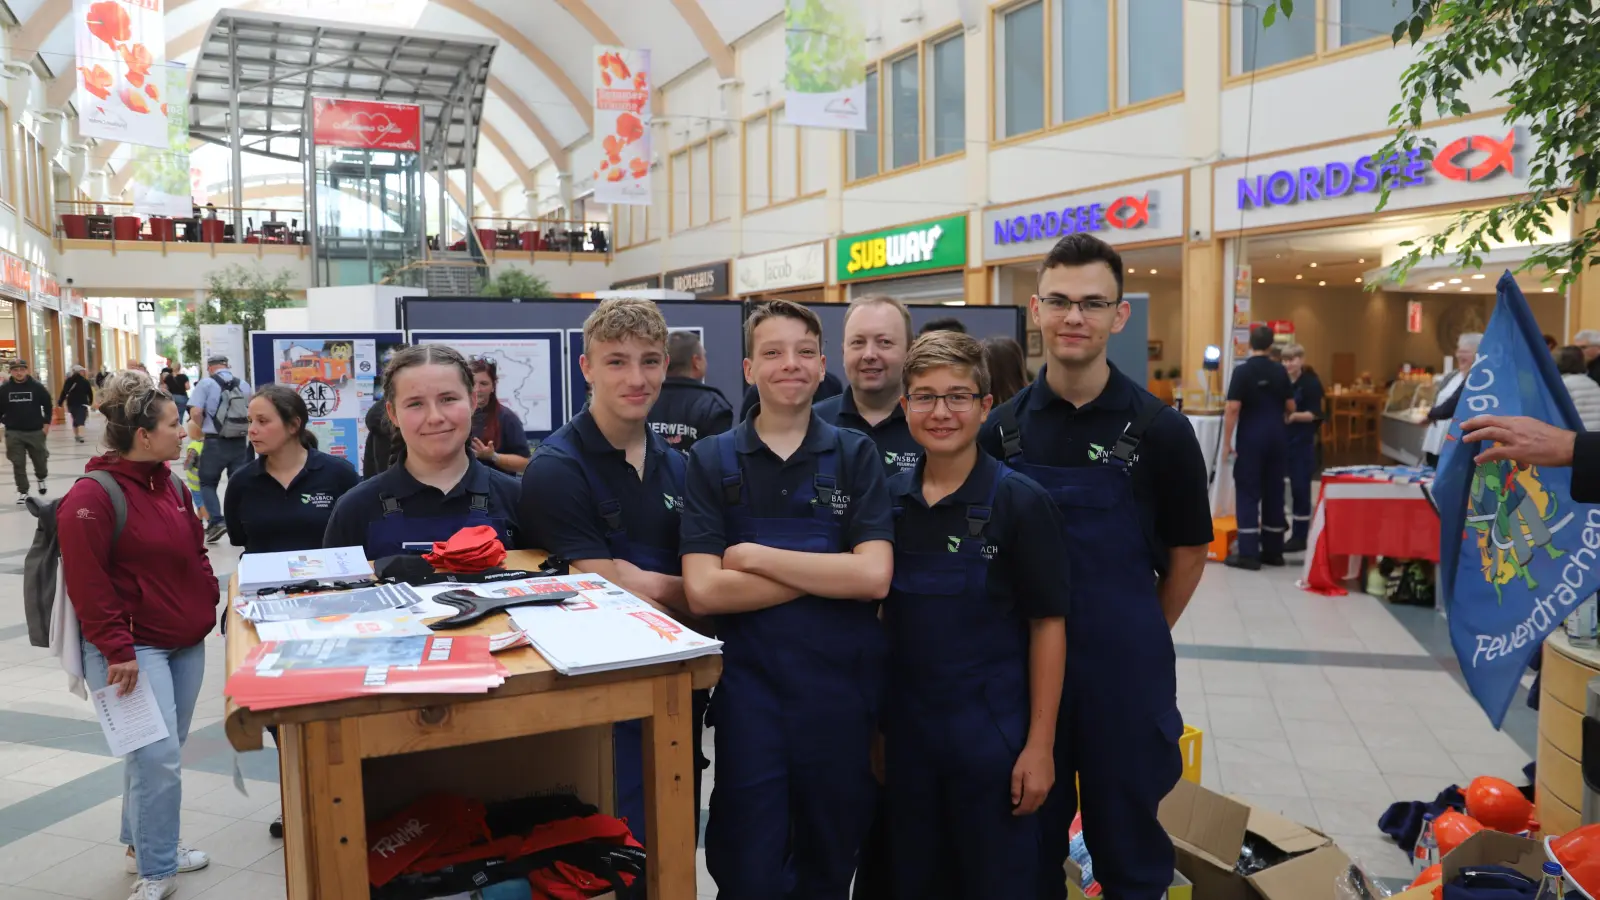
(1515, 553)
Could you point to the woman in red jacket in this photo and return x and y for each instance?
(145, 602)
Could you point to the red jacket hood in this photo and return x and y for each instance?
(149, 474)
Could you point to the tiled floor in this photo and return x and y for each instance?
(1324, 709)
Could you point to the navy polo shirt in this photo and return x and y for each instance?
(1169, 472)
(560, 513)
(363, 505)
(688, 410)
(513, 440)
(1261, 387)
(1024, 541)
(897, 448)
(263, 516)
(769, 481)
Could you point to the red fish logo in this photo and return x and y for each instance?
(1129, 212)
(1498, 157)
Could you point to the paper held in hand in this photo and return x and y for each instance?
(604, 628)
(129, 722)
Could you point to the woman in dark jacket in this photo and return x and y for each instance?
(145, 601)
(1303, 428)
(76, 394)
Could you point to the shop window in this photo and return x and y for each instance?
(700, 184)
(757, 163)
(1259, 47)
(1021, 74)
(1363, 20)
(1150, 49)
(903, 115)
(35, 181)
(1083, 58)
(816, 146)
(724, 173)
(864, 144)
(678, 184)
(947, 96)
(5, 155)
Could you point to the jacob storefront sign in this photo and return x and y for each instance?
(1139, 212)
(1470, 163)
(910, 248)
(781, 269)
(702, 281)
(638, 284)
(366, 125)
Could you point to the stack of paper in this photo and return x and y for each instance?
(603, 628)
(295, 672)
(280, 607)
(272, 570)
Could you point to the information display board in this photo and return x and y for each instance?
(531, 369)
(338, 374)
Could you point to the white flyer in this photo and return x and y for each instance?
(129, 722)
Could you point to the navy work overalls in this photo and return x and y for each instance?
(628, 737)
(794, 711)
(388, 534)
(1302, 459)
(956, 719)
(1119, 724)
(1258, 473)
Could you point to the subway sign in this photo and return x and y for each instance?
(911, 248)
(1467, 159)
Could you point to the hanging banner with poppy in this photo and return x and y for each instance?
(161, 185)
(120, 43)
(622, 125)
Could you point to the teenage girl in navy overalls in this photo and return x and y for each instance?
(433, 488)
(977, 646)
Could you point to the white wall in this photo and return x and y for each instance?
(176, 274)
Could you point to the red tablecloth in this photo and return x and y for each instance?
(1358, 517)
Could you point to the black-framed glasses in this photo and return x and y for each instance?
(956, 401)
(1093, 306)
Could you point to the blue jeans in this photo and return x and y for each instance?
(182, 402)
(152, 788)
(220, 455)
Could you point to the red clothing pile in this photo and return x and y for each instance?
(155, 587)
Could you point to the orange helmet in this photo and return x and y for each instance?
(1498, 804)
(1452, 828)
(1431, 873)
(1578, 852)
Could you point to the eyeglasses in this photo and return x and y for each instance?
(1094, 306)
(959, 401)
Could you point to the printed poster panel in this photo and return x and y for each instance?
(120, 43)
(336, 379)
(622, 124)
(223, 340)
(161, 185)
(826, 64)
(523, 367)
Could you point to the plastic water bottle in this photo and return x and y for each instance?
(1583, 624)
(1427, 852)
(1553, 886)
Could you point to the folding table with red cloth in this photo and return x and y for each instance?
(1372, 512)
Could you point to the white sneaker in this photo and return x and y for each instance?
(159, 889)
(188, 861)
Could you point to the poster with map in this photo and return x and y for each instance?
(528, 364)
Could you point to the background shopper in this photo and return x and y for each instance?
(1304, 423)
(224, 419)
(1584, 390)
(76, 395)
(498, 440)
(145, 601)
(25, 411)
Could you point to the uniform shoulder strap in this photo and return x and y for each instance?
(119, 502)
(1128, 441)
(728, 464)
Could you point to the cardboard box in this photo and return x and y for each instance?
(1209, 830)
(1486, 848)
(1181, 888)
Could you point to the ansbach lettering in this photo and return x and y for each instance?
(894, 250)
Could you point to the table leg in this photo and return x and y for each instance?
(670, 810)
(297, 849)
(336, 809)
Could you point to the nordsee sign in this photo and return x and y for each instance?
(1472, 162)
(1144, 211)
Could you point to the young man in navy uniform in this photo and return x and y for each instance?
(1260, 401)
(604, 493)
(1127, 473)
(787, 540)
(688, 409)
(877, 334)
(977, 645)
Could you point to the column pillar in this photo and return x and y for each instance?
(1203, 294)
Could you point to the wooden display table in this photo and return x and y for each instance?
(323, 749)
(1563, 696)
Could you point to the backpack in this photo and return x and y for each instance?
(232, 418)
(39, 567)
